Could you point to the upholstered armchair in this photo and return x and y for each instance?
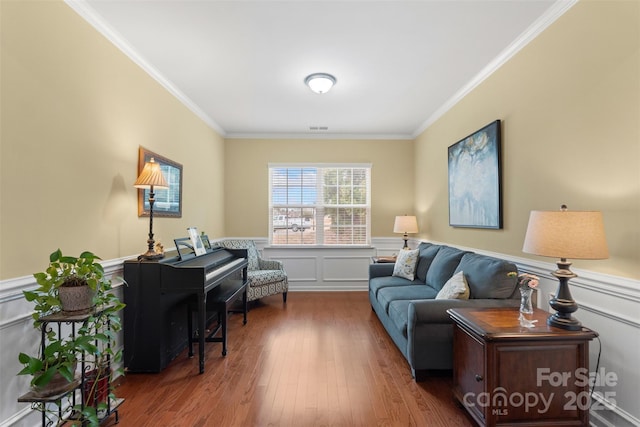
(266, 277)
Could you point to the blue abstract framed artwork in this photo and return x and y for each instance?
(475, 189)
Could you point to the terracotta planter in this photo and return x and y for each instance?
(96, 392)
(75, 298)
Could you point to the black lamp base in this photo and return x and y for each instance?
(567, 322)
(563, 302)
(151, 253)
(405, 237)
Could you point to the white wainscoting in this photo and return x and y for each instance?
(608, 304)
(17, 334)
(328, 268)
(317, 269)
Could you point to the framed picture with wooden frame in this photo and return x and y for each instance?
(475, 179)
(168, 203)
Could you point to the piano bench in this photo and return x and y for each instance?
(219, 300)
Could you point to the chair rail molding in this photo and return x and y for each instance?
(607, 304)
(16, 326)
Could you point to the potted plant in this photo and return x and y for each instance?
(53, 369)
(91, 345)
(68, 284)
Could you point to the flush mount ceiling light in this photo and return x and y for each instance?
(320, 82)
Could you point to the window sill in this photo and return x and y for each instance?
(318, 247)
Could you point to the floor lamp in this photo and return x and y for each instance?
(565, 234)
(151, 178)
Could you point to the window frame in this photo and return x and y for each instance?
(319, 207)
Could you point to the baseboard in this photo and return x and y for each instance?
(606, 414)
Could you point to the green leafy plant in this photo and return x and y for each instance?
(59, 356)
(65, 271)
(93, 344)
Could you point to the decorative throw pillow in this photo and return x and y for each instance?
(406, 264)
(455, 288)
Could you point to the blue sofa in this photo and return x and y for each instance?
(417, 322)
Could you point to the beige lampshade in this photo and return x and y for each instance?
(566, 234)
(405, 224)
(151, 176)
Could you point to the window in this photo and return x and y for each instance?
(320, 204)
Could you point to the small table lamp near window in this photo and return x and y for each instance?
(405, 224)
(150, 178)
(565, 234)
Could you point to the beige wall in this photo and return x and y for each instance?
(247, 179)
(74, 111)
(570, 105)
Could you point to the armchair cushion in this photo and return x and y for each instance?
(264, 277)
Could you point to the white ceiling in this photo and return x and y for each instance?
(240, 65)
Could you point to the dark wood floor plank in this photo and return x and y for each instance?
(322, 359)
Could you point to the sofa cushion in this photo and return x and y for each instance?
(378, 283)
(443, 266)
(409, 292)
(455, 288)
(405, 265)
(487, 277)
(428, 252)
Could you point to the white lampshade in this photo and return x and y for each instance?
(566, 234)
(320, 82)
(151, 176)
(405, 224)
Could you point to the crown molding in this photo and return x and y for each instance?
(329, 136)
(549, 17)
(94, 19)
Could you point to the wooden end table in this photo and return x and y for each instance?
(506, 374)
(383, 259)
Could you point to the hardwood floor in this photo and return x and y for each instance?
(323, 359)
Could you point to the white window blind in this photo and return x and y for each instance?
(320, 204)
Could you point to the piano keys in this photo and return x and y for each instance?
(157, 296)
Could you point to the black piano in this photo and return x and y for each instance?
(157, 297)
